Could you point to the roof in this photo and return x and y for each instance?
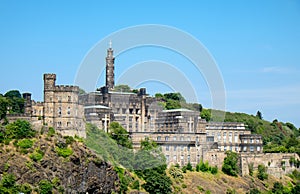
(179, 110)
(96, 106)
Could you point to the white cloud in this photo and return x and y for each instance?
(275, 69)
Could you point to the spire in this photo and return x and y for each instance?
(110, 44)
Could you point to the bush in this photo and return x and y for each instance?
(51, 132)
(135, 185)
(189, 167)
(230, 166)
(69, 140)
(19, 129)
(64, 152)
(176, 173)
(262, 172)
(45, 187)
(214, 170)
(184, 169)
(37, 155)
(25, 143)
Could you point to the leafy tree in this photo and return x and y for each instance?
(259, 115)
(262, 172)
(150, 164)
(277, 188)
(205, 114)
(122, 88)
(15, 101)
(19, 129)
(120, 135)
(45, 187)
(158, 95)
(172, 104)
(175, 172)
(230, 166)
(189, 166)
(3, 107)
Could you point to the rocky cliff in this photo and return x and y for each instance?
(78, 171)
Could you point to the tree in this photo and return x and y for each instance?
(277, 188)
(3, 107)
(205, 114)
(230, 166)
(122, 88)
(120, 135)
(19, 129)
(259, 115)
(15, 101)
(262, 172)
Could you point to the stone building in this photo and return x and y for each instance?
(182, 134)
(60, 109)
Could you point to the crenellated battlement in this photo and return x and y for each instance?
(66, 88)
(50, 76)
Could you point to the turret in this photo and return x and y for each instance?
(27, 103)
(49, 82)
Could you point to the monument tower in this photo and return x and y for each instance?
(110, 75)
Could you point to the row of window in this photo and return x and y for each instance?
(167, 138)
(237, 148)
(176, 148)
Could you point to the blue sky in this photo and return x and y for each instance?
(256, 45)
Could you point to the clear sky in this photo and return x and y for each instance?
(256, 45)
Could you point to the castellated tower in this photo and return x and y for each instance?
(49, 89)
(61, 107)
(110, 75)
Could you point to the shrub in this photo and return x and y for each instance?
(69, 140)
(189, 167)
(200, 188)
(230, 166)
(250, 166)
(135, 185)
(183, 169)
(183, 185)
(45, 187)
(25, 143)
(262, 172)
(64, 152)
(37, 155)
(51, 132)
(214, 170)
(19, 129)
(176, 173)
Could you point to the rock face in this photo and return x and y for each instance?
(81, 172)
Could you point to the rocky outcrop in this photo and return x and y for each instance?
(81, 172)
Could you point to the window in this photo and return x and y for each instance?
(188, 148)
(174, 158)
(59, 111)
(257, 140)
(251, 148)
(219, 136)
(59, 99)
(181, 157)
(230, 137)
(175, 148)
(158, 138)
(245, 141)
(244, 148)
(167, 138)
(181, 147)
(230, 148)
(181, 138)
(167, 157)
(224, 137)
(235, 137)
(69, 111)
(189, 158)
(68, 124)
(174, 138)
(69, 98)
(225, 148)
(188, 138)
(258, 148)
(167, 148)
